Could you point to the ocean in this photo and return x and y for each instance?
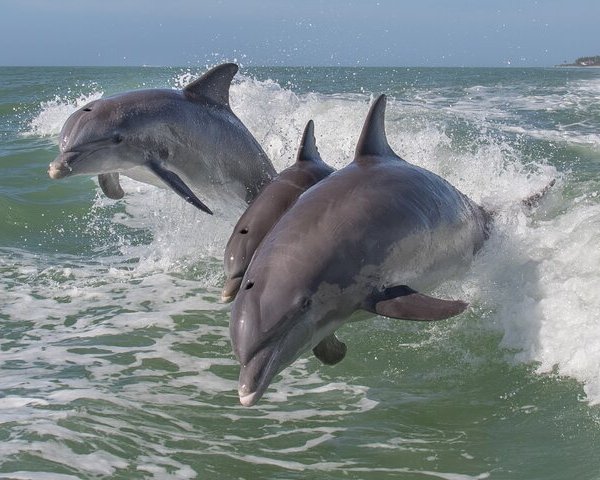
(115, 359)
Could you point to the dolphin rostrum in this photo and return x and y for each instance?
(368, 237)
(189, 140)
(268, 207)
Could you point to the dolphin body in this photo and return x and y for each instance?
(367, 237)
(268, 207)
(188, 140)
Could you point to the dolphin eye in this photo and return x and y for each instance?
(244, 231)
(117, 138)
(249, 285)
(306, 303)
(87, 109)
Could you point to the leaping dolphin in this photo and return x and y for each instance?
(368, 237)
(268, 207)
(189, 140)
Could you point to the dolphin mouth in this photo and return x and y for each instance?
(276, 353)
(58, 170)
(62, 166)
(256, 375)
(231, 288)
(250, 399)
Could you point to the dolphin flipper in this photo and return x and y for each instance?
(405, 303)
(109, 183)
(177, 184)
(330, 350)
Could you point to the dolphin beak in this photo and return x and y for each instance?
(230, 289)
(61, 167)
(250, 399)
(58, 169)
(257, 374)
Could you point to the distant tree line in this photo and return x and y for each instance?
(588, 61)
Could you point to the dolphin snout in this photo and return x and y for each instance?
(61, 166)
(248, 399)
(58, 169)
(256, 375)
(230, 289)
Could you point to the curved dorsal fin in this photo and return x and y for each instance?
(372, 141)
(308, 152)
(213, 85)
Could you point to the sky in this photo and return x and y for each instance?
(487, 33)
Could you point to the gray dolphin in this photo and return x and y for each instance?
(367, 237)
(188, 140)
(268, 207)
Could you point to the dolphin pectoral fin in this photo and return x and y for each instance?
(330, 350)
(109, 183)
(405, 303)
(178, 186)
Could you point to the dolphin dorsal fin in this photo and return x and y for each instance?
(372, 141)
(308, 152)
(213, 85)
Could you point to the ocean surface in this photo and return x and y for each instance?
(115, 359)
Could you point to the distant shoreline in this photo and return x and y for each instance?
(573, 65)
(584, 62)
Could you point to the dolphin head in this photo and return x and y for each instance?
(120, 133)
(104, 136)
(272, 202)
(269, 329)
(91, 141)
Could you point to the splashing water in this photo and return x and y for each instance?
(116, 356)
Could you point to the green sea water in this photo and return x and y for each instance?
(115, 359)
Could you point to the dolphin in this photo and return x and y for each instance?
(368, 237)
(188, 140)
(268, 207)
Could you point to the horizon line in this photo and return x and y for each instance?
(242, 66)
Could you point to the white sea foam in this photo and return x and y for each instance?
(558, 135)
(541, 279)
(23, 475)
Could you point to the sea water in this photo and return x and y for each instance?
(115, 359)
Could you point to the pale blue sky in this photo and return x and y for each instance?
(303, 32)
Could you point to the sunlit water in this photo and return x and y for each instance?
(115, 356)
